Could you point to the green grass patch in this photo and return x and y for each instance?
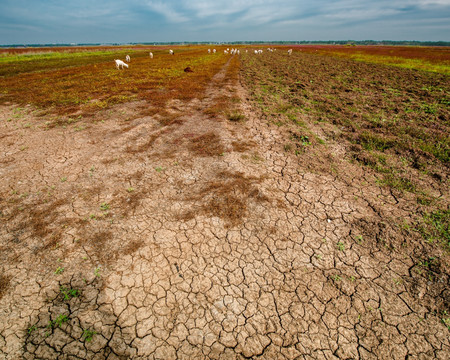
(371, 141)
(416, 64)
(435, 227)
(397, 182)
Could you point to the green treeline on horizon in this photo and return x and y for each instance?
(303, 42)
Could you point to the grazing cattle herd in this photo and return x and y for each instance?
(120, 64)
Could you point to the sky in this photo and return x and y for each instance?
(135, 21)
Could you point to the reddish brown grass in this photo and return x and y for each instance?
(208, 144)
(86, 84)
(4, 284)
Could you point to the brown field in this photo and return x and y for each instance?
(262, 206)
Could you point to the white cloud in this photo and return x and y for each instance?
(175, 20)
(434, 2)
(168, 11)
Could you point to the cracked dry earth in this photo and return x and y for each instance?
(200, 239)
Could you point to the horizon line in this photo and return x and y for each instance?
(227, 42)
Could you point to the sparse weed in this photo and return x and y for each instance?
(88, 334)
(436, 227)
(305, 140)
(61, 319)
(31, 329)
(69, 293)
(97, 271)
(104, 206)
(257, 158)
(446, 319)
(359, 239)
(340, 246)
(336, 278)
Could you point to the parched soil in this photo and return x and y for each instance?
(229, 226)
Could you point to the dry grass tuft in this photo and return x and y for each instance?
(4, 284)
(132, 247)
(205, 145)
(227, 197)
(129, 201)
(240, 146)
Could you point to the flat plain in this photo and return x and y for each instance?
(260, 206)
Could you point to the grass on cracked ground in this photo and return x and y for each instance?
(394, 122)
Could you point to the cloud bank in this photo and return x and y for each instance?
(47, 21)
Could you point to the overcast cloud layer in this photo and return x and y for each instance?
(113, 21)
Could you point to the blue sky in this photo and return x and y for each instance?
(114, 21)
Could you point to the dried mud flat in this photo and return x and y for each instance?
(201, 238)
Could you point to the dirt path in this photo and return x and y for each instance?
(197, 239)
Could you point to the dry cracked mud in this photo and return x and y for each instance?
(200, 239)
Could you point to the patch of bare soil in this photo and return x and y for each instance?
(201, 238)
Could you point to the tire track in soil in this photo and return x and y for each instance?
(214, 245)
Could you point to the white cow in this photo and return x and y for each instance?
(120, 63)
(214, 51)
(151, 55)
(171, 52)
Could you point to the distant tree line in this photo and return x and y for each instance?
(303, 42)
(350, 42)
